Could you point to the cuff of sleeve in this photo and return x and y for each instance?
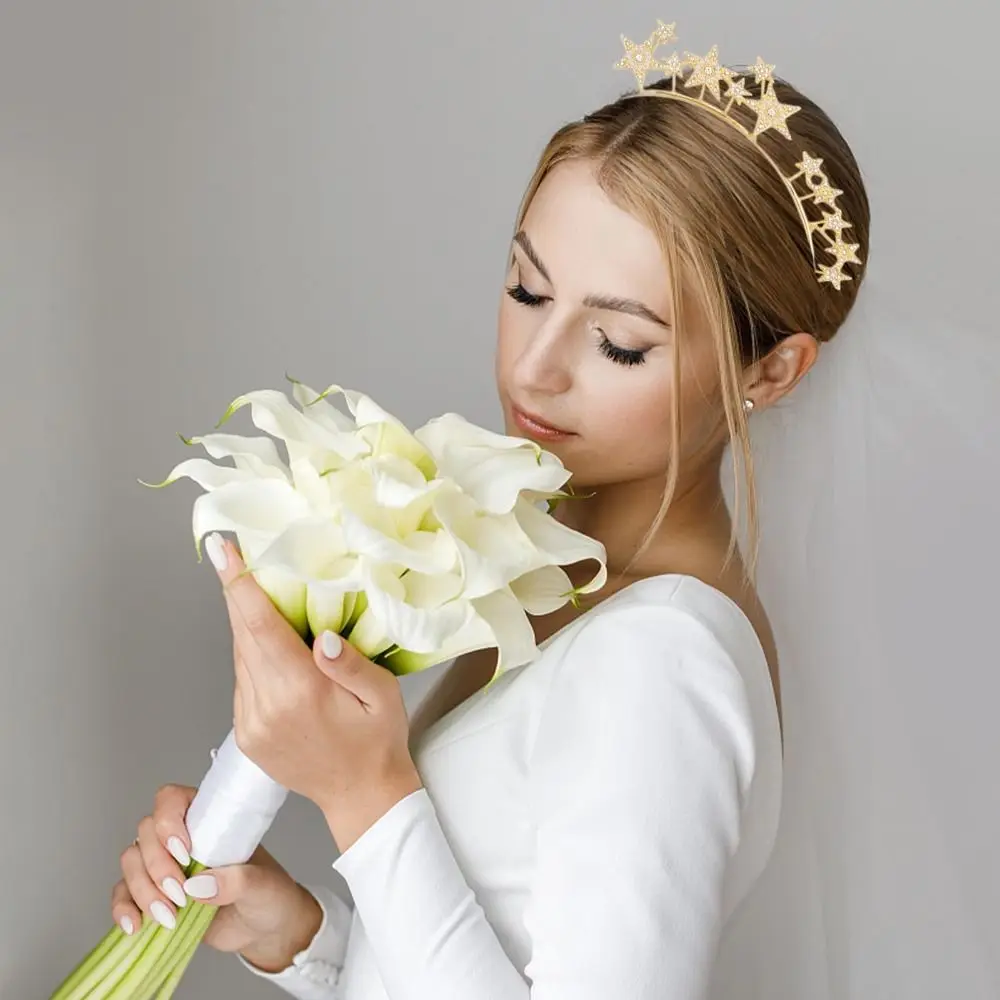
(384, 831)
(315, 971)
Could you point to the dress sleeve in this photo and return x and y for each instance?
(640, 767)
(315, 971)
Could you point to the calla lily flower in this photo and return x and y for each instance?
(416, 546)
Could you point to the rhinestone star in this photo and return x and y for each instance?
(833, 275)
(771, 113)
(738, 90)
(762, 71)
(835, 223)
(707, 72)
(824, 194)
(638, 58)
(673, 67)
(664, 33)
(846, 253)
(810, 165)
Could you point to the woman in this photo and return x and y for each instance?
(594, 824)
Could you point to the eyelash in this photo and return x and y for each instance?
(620, 355)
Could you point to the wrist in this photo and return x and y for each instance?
(274, 952)
(348, 820)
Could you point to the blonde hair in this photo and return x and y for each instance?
(730, 235)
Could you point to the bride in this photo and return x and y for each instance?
(715, 781)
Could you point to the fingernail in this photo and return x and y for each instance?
(176, 847)
(201, 886)
(332, 645)
(216, 551)
(172, 889)
(126, 925)
(162, 915)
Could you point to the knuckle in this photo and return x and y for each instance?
(125, 858)
(147, 827)
(173, 796)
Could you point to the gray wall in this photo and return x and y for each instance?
(198, 196)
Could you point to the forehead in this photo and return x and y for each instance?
(588, 244)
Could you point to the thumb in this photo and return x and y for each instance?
(229, 884)
(343, 663)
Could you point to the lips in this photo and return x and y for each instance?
(534, 423)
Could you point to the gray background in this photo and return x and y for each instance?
(200, 195)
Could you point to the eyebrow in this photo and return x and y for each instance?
(612, 302)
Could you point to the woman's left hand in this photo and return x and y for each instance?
(333, 728)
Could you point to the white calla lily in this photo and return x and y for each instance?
(259, 509)
(493, 550)
(372, 536)
(273, 412)
(411, 611)
(254, 454)
(561, 545)
(542, 591)
(384, 433)
(418, 547)
(206, 474)
(491, 468)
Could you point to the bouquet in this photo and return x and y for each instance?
(416, 547)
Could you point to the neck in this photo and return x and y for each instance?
(618, 515)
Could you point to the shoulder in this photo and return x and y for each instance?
(667, 666)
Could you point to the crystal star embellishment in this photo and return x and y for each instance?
(708, 77)
(707, 72)
(833, 275)
(810, 165)
(771, 113)
(762, 72)
(846, 253)
(664, 33)
(835, 223)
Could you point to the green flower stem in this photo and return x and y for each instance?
(205, 917)
(181, 944)
(109, 969)
(143, 965)
(107, 943)
(165, 945)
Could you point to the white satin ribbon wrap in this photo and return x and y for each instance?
(235, 806)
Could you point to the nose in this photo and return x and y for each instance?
(544, 365)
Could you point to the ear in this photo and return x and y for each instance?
(780, 370)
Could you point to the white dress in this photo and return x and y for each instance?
(587, 827)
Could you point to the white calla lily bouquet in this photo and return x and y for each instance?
(416, 547)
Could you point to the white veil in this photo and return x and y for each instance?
(879, 480)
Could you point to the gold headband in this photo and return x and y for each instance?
(771, 114)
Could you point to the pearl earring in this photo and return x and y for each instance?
(748, 405)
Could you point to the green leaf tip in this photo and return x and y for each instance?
(187, 441)
(237, 404)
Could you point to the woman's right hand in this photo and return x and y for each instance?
(263, 912)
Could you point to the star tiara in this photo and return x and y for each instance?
(708, 75)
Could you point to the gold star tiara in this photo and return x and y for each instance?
(707, 74)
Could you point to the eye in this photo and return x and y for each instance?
(620, 355)
(521, 294)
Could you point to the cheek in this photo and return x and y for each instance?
(631, 419)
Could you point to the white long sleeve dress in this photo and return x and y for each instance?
(586, 829)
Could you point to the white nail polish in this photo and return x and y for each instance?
(173, 891)
(217, 554)
(126, 925)
(162, 915)
(201, 886)
(332, 645)
(176, 847)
